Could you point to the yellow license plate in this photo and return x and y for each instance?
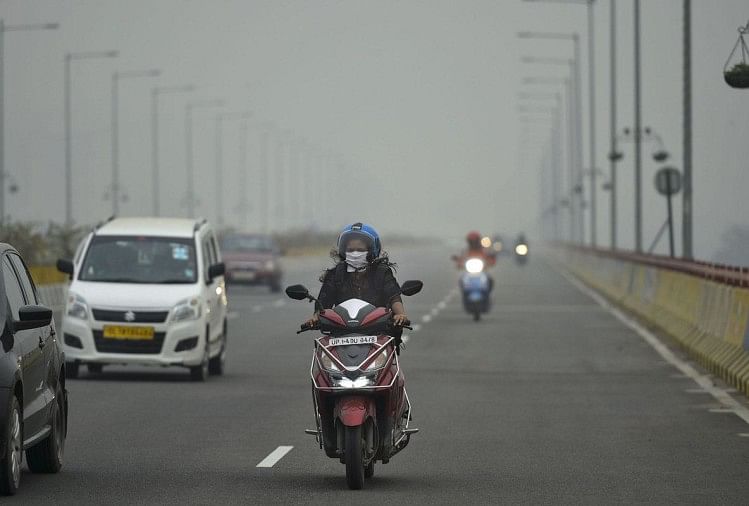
(128, 333)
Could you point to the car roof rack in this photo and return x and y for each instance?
(104, 222)
(199, 224)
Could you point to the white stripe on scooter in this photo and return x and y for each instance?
(275, 456)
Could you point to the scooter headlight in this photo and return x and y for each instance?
(474, 265)
(521, 249)
(379, 362)
(328, 364)
(360, 382)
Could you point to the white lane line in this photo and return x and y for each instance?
(426, 318)
(435, 311)
(275, 456)
(257, 309)
(696, 391)
(232, 315)
(279, 303)
(442, 305)
(730, 404)
(416, 326)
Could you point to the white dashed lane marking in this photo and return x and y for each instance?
(275, 456)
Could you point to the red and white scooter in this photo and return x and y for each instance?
(362, 410)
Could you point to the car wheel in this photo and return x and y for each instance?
(72, 369)
(217, 364)
(95, 368)
(200, 371)
(46, 456)
(10, 465)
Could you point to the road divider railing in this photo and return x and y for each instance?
(52, 287)
(703, 307)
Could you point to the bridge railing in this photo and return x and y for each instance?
(704, 307)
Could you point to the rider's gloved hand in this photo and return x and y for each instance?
(400, 319)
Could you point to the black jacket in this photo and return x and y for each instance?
(376, 285)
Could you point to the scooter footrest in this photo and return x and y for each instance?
(311, 432)
(410, 431)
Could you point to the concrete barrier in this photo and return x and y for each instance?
(703, 307)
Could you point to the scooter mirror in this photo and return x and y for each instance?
(411, 287)
(297, 292)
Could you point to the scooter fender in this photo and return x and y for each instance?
(354, 411)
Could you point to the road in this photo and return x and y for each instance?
(549, 400)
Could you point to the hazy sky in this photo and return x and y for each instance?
(416, 100)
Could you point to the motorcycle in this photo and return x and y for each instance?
(476, 287)
(362, 410)
(521, 253)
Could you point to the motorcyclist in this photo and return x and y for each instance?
(362, 271)
(474, 249)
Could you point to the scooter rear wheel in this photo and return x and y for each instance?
(354, 456)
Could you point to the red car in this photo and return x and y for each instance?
(252, 259)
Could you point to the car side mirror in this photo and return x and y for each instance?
(216, 270)
(411, 287)
(297, 292)
(32, 317)
(65, 266)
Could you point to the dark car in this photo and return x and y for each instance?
(33, 398)
(252, 259)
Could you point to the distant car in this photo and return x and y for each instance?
(147, 291)
(252, 258)
(34, 413)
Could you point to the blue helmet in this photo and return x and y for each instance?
(361, 231)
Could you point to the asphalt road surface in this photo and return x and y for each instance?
(550, 399)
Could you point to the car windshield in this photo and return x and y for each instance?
(155, 260)
(248, 243)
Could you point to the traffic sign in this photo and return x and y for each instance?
(668, 181)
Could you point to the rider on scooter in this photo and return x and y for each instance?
(474, 249)
(362, 271)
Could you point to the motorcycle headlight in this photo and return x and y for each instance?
(360, 382)
(77, 307)
(474, 265)
(328, 364)
(521, 249)
(378, 362)
(188, 309)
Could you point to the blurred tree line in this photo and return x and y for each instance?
(42, 243)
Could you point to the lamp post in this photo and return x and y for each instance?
(686, 208)
(573, 146)
(69, 58)
(264, 179)
(116, 77)
(156, 178)
(10, 28)
(220, 118)
(575, 39)
(189, 153)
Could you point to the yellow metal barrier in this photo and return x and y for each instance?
(47, 275)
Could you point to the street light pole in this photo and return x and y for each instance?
(220, 118)
(69, 57)
(592, 123)
(116, 76)
(156, 177)
(686, 213)
(612, 116)
(637, 133)
(10, 28)
(189, 153)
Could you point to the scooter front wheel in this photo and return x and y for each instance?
(476, 315)
(354, 456)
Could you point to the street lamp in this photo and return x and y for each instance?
(116, 76)
(155, 94)
(10, 28)
(220, 118)
(575, 71)
(189, 161)
(70, 57)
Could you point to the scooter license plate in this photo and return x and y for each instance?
(346, 341)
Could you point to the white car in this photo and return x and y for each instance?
(146, 291)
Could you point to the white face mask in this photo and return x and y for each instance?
(356, 260)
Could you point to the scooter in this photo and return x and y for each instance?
(476, 287)
(521, 253)
(362, 410)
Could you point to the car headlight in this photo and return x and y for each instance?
(77, 307)
(188, 309)
(379, 362)
(270, 265)
(474, 265)
(521, 249)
